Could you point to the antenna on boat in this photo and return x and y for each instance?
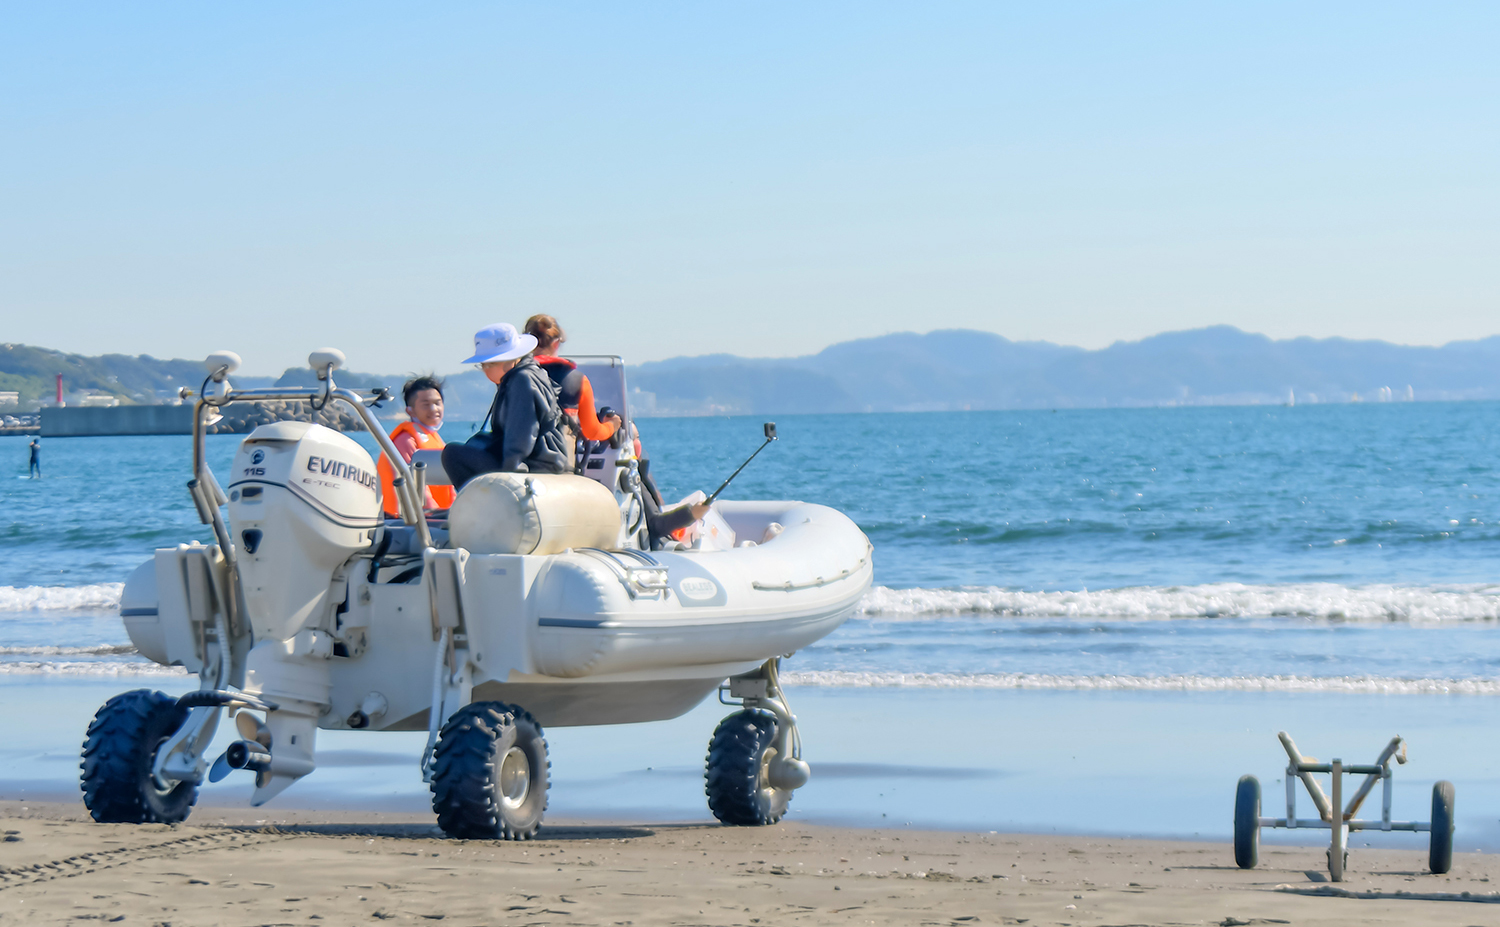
(770, 432)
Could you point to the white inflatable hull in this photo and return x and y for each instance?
(584, 636)
(576, 639)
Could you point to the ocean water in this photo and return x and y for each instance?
(1061, 599)
(1350, 547)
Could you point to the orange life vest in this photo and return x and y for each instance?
(441, 496)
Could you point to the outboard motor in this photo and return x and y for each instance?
(302, 500)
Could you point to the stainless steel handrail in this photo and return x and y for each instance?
(407, 501)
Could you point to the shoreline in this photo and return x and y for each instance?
(1159, 765)
(285, 866)
(415, 809)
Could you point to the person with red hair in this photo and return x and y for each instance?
(575, 393)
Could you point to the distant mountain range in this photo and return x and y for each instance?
(938, 371)
(959, 369)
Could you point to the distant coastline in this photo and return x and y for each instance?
(952, 370)
(961, 370)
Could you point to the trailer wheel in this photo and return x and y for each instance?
(1440, 851)
(1336, 873)
(735, 775)
(1247, 822)
(118, 752)
(490, 773)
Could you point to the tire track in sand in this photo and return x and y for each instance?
(95, 861)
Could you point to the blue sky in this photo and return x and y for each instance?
(759, 178)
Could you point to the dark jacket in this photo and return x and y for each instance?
(526, 422)
(566, 377)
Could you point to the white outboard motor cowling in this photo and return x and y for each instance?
(302, 500)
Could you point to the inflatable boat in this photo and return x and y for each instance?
(534, 601)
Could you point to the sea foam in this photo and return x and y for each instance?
(95, 596)
(97, 650)
(1328, 601)
(1353, 685)
(87, 668)
(1372, 685)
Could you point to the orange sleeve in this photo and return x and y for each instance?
(588, 416)
(387, 486)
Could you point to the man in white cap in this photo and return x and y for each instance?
(525, 433)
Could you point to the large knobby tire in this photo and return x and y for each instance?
(1247, 823)
(735, 777)
(490, 773)
(118, 753)
(1440, 850)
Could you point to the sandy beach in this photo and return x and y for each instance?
(256, 867)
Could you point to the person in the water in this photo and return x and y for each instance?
(35, 468)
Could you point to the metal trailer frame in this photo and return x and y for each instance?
(1303, 768)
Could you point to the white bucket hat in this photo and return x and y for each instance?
(500, 342)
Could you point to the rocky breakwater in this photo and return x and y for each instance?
(243, 418)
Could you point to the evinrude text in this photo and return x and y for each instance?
(337, 469)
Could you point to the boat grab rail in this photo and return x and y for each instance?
(646, 579)
(405, 482)
(790, 586)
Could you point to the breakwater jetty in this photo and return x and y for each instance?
(240, 418)
(116, 420)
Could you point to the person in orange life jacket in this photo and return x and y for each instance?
(575, 392)
(660, 525)
(525, 422)
(424, 403)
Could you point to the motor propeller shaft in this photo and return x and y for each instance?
(246, 754)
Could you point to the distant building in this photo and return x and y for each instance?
(97, 399)
(642, 402)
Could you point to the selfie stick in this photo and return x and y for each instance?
(770, 431)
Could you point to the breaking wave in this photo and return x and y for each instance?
(1350, 685)
(87, 668)
(1359, 685)
(100, 650)
(1328, 601)
(92, 597)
